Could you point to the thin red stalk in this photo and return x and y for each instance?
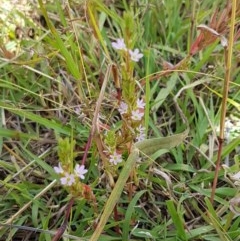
(95, 117)
(130, 186)
(63, 227)
(117, 83)
(214, 185)
(228, 57)
(89, 142)
(116, 218)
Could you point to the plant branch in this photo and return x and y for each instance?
(228, 56)
(63, 227)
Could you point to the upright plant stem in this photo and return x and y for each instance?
(63, 227)
(228, 56)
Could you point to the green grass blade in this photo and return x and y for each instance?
(58, 127)
(116, 193)
(69, 60)
(129, 212)
(177, 220)
(215, 221)
(16, 134)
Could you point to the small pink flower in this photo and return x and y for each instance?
(119, 44)
(115, 158)
(123, 108)
(68, 179)
(135, 55)
(140, 104)
(58, 169)
(78, 110)
(137, 115)
(80, 171)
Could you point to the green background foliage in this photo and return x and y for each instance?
(50, 87)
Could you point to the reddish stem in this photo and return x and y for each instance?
(90, 138)
(116, 218)
(63, 227)
(217, 169)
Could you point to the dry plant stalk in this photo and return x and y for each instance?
(228, 65)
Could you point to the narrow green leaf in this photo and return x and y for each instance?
(41, 163)
(129, 212)
(177, 220)
(69, 60)
(91, 8)
(115, 195)
(180, 167)
(58, 127)
(16, 134)
(35, 208)
(215, 221)
(199, 232)
(164, 92)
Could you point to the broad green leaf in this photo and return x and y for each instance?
(150, 146)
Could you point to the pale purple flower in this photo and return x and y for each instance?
(123, 108)
(58, 169)
(140, 104)
(140, 137)
(119, 44)
(68, 179)
(78, 110)
(80, 171)
(140, 133)
(115, 158)
(135, 55)
(137, 115)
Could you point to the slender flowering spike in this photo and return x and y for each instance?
(140, 104)
(141, 133)
(119, 44)
(58, 169)
(68, 179)
(140, 137)
(137, 115)
(140, 129)
(135, 55)
(80, 171)
(115, 158)
(123, 108)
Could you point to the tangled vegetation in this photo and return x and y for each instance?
(120, 120)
